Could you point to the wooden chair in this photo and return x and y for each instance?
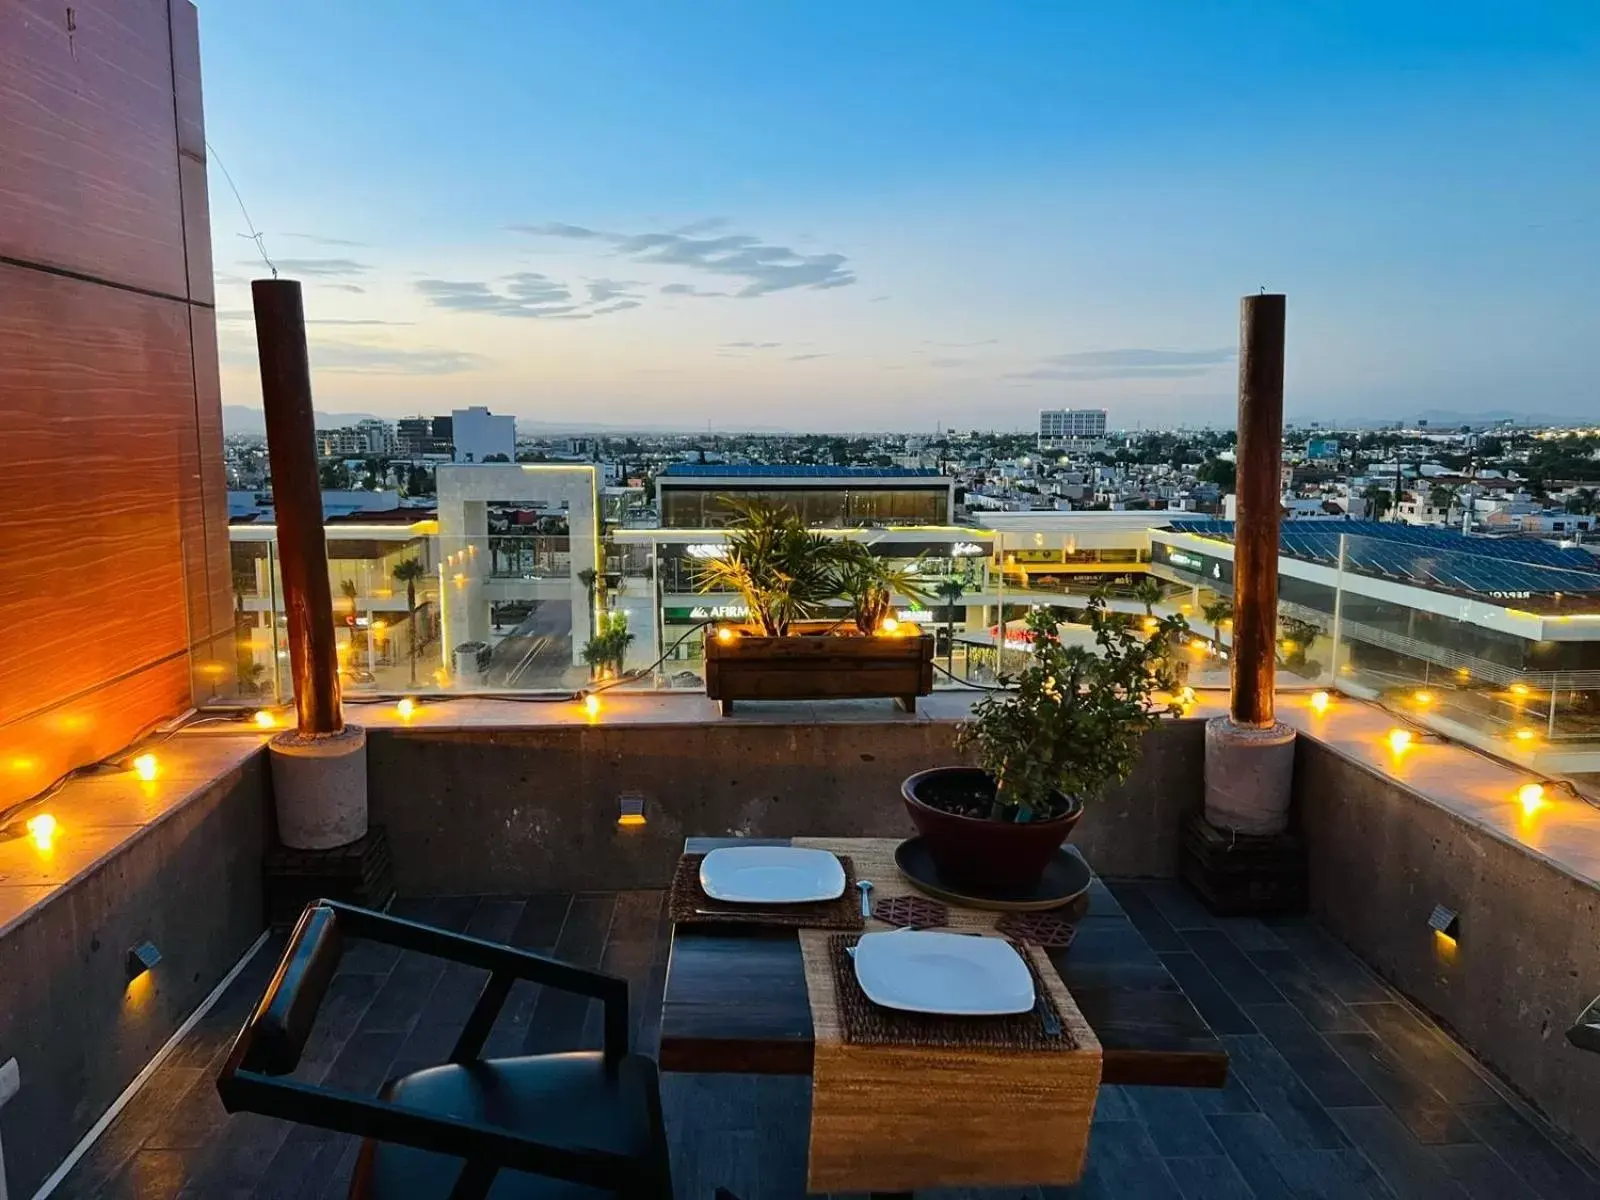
(569, 1126)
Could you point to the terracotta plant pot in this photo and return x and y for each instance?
(996, 859)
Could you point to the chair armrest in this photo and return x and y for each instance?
(346, 1112)
(499, 959)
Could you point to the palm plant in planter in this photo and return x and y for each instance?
(1070, 724)
(787, 575)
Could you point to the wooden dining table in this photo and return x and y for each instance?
(735, 999)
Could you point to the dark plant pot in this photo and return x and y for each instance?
(994, 859)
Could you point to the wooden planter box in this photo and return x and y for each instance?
(833, 667)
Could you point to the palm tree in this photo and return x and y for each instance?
(348, 587)
(408, 572)
(1147, 591)
(1218, 611)
(950, 591)
(589, 577)
(783, 571)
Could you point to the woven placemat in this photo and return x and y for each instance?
(1041, 928)
(864, 1023)
(688, 904)
(919, 912)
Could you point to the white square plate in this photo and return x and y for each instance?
(771, 875)
(933, 972)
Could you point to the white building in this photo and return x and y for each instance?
(1073, 428)
(479, 434)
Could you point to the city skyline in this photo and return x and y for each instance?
(820, 219)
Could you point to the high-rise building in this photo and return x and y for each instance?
(1072, 428)
(417, 436)
(479, 435)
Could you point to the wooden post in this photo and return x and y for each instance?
(297, 499)
(1255, 538)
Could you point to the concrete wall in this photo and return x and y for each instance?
(1527, 960)
(79, 1030)
(517, 810)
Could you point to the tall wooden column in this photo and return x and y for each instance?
(1255, 539)
(297, 499)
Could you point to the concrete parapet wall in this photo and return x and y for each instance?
(511, 811)
(80, 1031)
(1528, 956)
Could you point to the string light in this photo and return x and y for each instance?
(889, 625)
(1530, 796)
(1399, 740)
(1319, 701)
(591, 705)
(1423, 698)
(405, 708)
(265, 720)
(725, 635)
(42, 829)
(1524, 735)
(146, 767)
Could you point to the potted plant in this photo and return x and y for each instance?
(607, 649)
(1070, 724)
(790, 579)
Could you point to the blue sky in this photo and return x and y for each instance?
(882, 216)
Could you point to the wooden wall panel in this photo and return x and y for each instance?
(99, 400)
(88, 162)
(114, 577)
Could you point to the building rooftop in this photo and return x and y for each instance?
(780, 471)
(1493, 569)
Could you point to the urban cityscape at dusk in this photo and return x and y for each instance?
(735, 601)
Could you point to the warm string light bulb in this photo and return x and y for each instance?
(146, 767)
(591, 705)
(1399, 740)
(725, 635)
(1530, 796)
(265, 720)
(1319, 702)
(42, 829)
(1424, 698)
(889, 625)
(405, 708)
(1524, 735)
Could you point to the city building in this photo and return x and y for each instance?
(695, 495)
(369, 438)
(1081, 429)
(480, 436)
(419, 437)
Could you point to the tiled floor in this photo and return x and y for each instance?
(1338, 1087)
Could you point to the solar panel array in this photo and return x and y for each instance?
(1497, 569)
(771, 471)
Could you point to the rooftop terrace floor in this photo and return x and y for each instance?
(1338, 1087)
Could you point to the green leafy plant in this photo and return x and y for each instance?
(1075, 717)
(1216, 614)
(408, 572)
(783, 571)
(869, 584)
(950, 592)
(1148, 592)
(609, 646)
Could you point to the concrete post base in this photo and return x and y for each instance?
(319, 783)
(1248, 774)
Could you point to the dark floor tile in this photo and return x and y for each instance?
(365, 956)
(1482, 1173)
(630, 952)
(193, 1122)
(1232, 1097)
(1251, 1141)
(1146, 917)
(1250, 934)
(127, 1134)
(1113, 1104)
(1420, 1108)
(1284, 1100)
(1180, 906)
(1177, 1127)
(447, 912)
(1331, 1175)
(1339, 971)
(1237, 974)
(1410, 1169)
(1212, 1177)
(495, 919)
(1122, 1162)
(403, 995)
(560, 1018)
(537, 929)
(151, 1175)
(1326, 1075)
(1427, 1053)
(1532, 1156)
(1208, 996)
(1301, 987)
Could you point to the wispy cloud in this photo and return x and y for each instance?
(805, 357)
(346, 287)
(318, 240)
(963, 345)
(619, 306)
(319, 268)
(750, 345)
(947, 363)
(368, 359)
(1128, 363)
(762, 267)
(245, 315)
(601, 290)
(530, 295)
(689, 289)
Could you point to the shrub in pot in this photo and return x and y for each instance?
(1070, 724)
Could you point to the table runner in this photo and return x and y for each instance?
(896, 1118)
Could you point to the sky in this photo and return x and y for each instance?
(891, 216)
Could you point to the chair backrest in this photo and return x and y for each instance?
(282, 1021)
